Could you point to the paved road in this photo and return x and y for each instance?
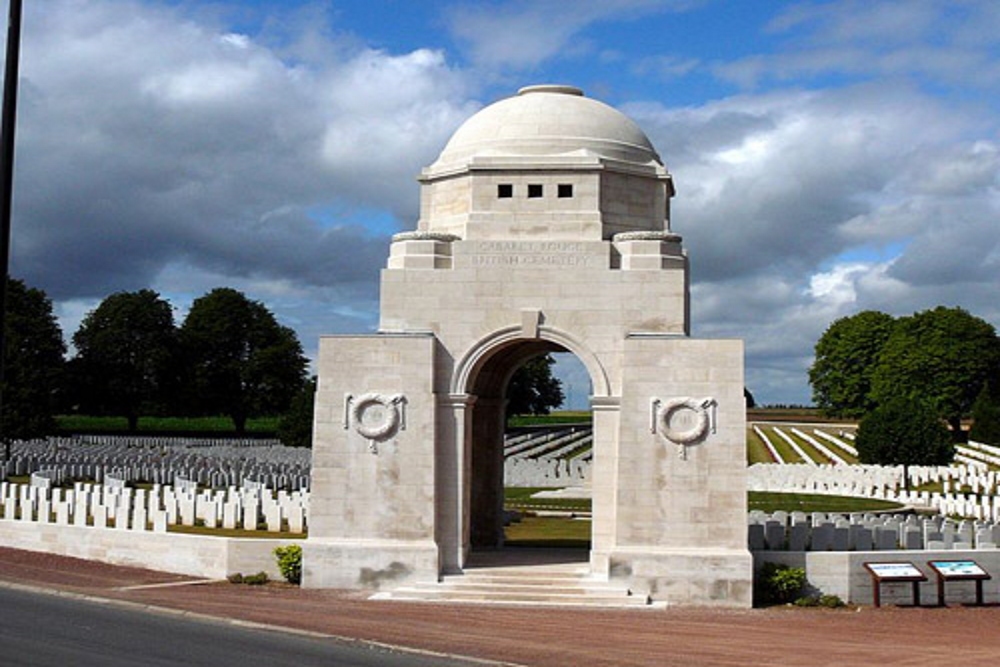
(42, 630)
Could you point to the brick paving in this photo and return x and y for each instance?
(552, 637)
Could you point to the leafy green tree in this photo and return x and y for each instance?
(904, 431)
(986, 417)
(126, 356)
(296, 425)
(241, 362)
(943, 356)
(846, 357)
(34, 359)
(533, 390)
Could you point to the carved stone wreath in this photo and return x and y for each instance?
(662, 414)
(375, 416)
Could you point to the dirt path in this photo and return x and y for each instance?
(553, 637)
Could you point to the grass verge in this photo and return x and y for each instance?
(231, 532)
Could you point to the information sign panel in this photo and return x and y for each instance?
(894, 573)
(958, 570)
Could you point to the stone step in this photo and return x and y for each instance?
(569, 585)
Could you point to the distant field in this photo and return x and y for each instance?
(268, 425)
(786, 415)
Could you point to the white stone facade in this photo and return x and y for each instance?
(544, 227)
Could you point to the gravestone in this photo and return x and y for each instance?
(544, 227)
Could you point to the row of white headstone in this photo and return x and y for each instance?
(967, 491)
(798, 531)
(114, 504)
(212, 462)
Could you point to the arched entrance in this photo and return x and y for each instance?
(484, 376)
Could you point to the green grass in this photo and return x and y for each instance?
(221, 425)
(803, 502)
(520, 499)
(233, 532)
(553, 532)
(785, 450)
(756, 449)
(558, 417)
(536, 531)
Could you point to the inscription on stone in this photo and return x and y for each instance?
(532, 253)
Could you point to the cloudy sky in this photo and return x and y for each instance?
(829, 157)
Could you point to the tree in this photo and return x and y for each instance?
(241, 362)
(904, 431)
(943, 356)
(126, 356)
(33, 367)
(533, 390)
(986, 417)
(846, 357)
(296, 425)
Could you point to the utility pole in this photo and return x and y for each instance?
(7, 180)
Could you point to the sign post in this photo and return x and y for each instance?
(958, 570)
(894, 573)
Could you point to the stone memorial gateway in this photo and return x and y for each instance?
(544, 227)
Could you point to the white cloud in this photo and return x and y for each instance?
(147, 138)
(774, 190)
(162, 148)
(949, 43)
(524, 33)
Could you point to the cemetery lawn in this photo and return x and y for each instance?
(756, 449)
(767, 501)
(548, 532)
(520, 499)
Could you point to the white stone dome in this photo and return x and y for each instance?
(545, 121)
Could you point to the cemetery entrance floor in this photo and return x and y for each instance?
(548, 637)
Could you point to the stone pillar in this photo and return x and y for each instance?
(603, 481)
(486, 477)
(372, 509)
(453, 467)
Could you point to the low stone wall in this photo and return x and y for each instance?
(208, 557)
(842, 573)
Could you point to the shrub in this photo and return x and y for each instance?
(780, 584)
(235, 578)
(828, 601)
(290, 562)
(258, 579)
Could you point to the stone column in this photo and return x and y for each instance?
(452, 470)
(603, 481)
(486, 479)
